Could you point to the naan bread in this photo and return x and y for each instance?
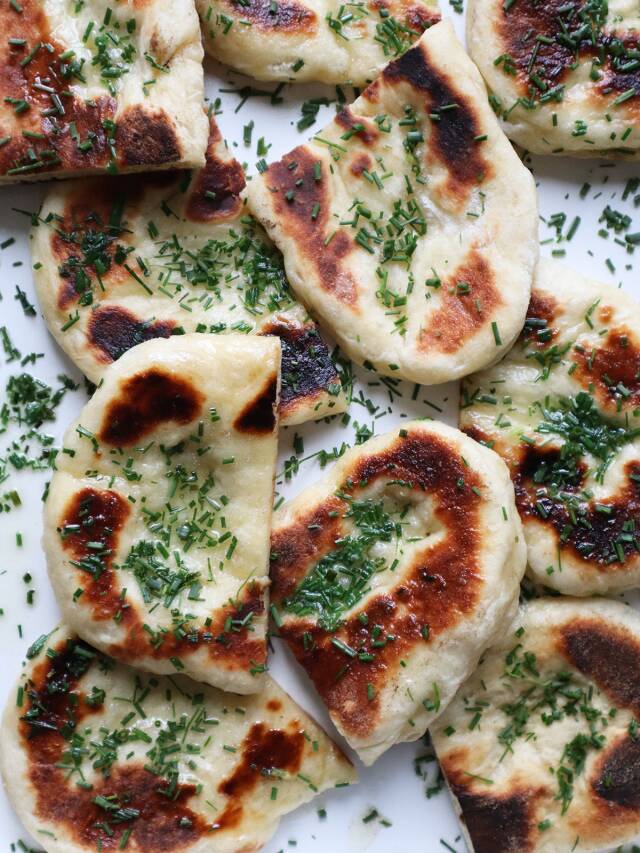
(119, 262)
(563, 76)
(410, 235)
(313, 40)
(562, 410)
(93, 86)
(393, 574)
(97, 756)
(540, 747)
(156, 526)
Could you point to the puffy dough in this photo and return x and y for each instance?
(392, 220)
(119, 262)
(93, 87)
(563, 78)
(393, 574)
(540, 746)
(313, 40)
(93, 753)
(156, 526)
(562, 410)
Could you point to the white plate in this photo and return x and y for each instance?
(392, 786)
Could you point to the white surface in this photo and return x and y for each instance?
(419, 825)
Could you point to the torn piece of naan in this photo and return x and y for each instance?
(562, 409)
(156, 524)
(409, 224)
(119, 262)
(563, 76)
(393, 574)
(540, 747)
(95, 755)
(92, 87)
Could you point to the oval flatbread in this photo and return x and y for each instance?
(563, 76)
(562, 410)
(541, 747)
(315, 40)
(156, 525)
(392, 220)
(97, 756)
(91, 88)
(393, 574)
(120, 262)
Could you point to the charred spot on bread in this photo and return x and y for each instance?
(288, 16)
(113, 330)
(297, 194)
(264, 750)
(214, 194)
(468, 295)
(259, 415)
(454, 134)
(607, 655)
(145, 401)
(146, 137)
(306, 366)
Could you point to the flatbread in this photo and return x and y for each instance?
(93, 751)
(402, 247)
(92, 87)
(312, 40)
(563, 77)
(540, 747)
(156, 525)
(576, 363)
(119, 262)
(393, 574)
